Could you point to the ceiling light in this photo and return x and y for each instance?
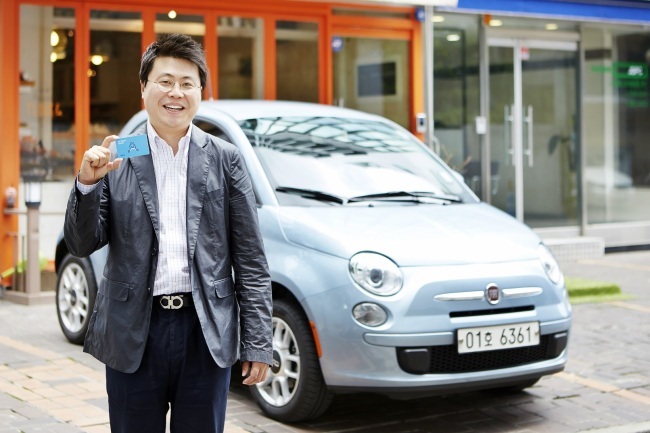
(96, 59)
(454, 37)
(437, 19)
(54, 38)
(496, 23)
(551, 26)
(172, 14)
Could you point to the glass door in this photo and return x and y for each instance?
(533, 130)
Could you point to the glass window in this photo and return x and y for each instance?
(241, 57)
(297, 61)
(456, 93)
(113, 68)
(47, 92)
(372, 75)
(47, 118)
(211, 128)
(172, 22)
(616, 129)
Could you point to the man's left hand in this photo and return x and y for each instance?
(253, 372)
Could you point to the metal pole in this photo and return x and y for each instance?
(484, 139)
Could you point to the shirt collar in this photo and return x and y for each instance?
(155, 140)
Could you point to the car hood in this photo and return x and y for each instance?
(417, 235)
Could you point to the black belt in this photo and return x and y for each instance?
(174, 302)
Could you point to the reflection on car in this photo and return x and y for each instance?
(389, 275)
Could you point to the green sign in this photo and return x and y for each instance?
(631, 76)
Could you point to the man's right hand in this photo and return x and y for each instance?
(97, 162)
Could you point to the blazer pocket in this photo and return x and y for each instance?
(224, 287)
(214, 195)
(116, 290)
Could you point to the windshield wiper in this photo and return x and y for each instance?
(312, 194)
(415, 196)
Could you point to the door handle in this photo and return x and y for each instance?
(528, 120)
(508, 133)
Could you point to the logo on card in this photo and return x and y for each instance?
(128, 147)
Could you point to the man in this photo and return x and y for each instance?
(178, 222)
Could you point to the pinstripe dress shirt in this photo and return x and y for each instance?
(173, 270)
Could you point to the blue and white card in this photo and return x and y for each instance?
(128, 147)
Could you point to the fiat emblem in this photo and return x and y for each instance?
(492, 294)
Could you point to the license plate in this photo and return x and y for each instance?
(488, 338)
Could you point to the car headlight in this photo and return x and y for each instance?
(376, 273)
(549, 264)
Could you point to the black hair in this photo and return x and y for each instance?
(178, 46)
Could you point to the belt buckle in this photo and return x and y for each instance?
(171, 302)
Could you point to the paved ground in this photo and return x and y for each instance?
(49, 385)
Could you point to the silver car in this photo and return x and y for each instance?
(389, 275)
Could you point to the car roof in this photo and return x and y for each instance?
(254, 108)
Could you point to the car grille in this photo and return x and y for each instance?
(446, 359)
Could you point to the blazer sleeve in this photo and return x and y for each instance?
(85, 227)
(252, 279)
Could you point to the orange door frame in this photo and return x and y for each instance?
(323, 14)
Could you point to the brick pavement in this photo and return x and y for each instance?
(48, 385)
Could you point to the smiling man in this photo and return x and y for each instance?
(169, 320)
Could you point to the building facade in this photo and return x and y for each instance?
(543, 105)
(72, 70)
(540, 104)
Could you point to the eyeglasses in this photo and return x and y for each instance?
(166, 86)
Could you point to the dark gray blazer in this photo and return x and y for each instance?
(222, 236)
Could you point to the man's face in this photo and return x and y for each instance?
(171, 112)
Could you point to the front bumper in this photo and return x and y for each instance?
(430, 370)
(415, 351)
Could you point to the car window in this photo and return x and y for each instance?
(331, 159)
(211, 128)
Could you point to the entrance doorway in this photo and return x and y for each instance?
(533, 95)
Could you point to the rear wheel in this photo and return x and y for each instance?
(75, 296)
(294, 389)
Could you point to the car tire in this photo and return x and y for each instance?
(294, 389)
(76, 289)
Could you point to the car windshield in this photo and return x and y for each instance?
(324, 161)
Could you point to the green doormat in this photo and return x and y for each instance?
(582, 290)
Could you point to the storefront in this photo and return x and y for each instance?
(543, 106)
(70, 70)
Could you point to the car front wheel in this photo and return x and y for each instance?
(75, 295)
(294, 389)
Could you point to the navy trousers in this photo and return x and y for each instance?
(177, 372)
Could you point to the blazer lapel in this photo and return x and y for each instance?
(144, 173)
(197, 177)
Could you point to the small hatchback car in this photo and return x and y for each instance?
(389, 275)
